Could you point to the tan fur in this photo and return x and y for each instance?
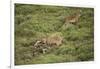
(57, 40)
(73, 18)
(45, 44)
(53, 39)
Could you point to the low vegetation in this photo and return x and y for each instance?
(33, 22)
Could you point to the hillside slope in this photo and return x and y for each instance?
(33, 22)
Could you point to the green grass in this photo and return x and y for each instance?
(33, 22)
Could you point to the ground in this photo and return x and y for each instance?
(33, 22)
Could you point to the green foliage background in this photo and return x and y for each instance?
(35, 21)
